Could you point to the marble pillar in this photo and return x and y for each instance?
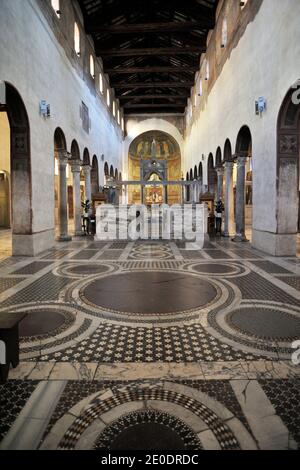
(240, 200)
(76, 169)
(165, 194)
(229, 200)
(195, 192)
(88, 184)
(220, 173)
(142, 194)
(63, 198)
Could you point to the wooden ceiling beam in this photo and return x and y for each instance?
(150, 51)
(153, 97)
(187, 84)
(154, 105)
(151, 69)
(95, 27)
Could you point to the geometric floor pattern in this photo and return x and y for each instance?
(190, 348)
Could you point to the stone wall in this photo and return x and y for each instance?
(37, 58)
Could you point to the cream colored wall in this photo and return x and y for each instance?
(266, 62)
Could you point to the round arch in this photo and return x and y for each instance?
(86, 157)
(111, 171)
(244, 142)
(20, 168)
(59, 140)
(95, 176)
(106, 169)
(200, 171)
(211, 175)
(288, 155)
(227, 151)
(153, 124)
(219, 157)
(75, 152)
(195, 172)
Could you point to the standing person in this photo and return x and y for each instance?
(218, 214)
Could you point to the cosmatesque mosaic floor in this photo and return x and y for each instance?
(152, 346)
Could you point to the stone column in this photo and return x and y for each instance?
(142, 194)
(240, 200)
(220, 173)
(166, 194)
(182, 194)
(63, 198)
(229, 202)
(76, 168)
(88, 184)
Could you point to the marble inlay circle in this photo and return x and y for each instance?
(148, 430)
(213, 268)
(150, 292)
(88, 269)
(263, 323)
(43, 323)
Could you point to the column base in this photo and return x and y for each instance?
(275, 244)
(79, 234)
(240, 239)
(64, 238)
(33, 244)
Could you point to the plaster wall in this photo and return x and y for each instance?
(38, 66)
(265, 62)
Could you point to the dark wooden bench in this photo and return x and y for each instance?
(9, 335)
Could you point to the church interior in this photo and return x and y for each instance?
(153, 344)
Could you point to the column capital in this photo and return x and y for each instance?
(62, 156)
(229, 164)
(86, 168)
(75, 166)
(220, 170)
(241, 159)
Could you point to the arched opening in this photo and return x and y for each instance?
(154, 152)
(229, 225)
(86, 157)
(195, 173)
(95, 176)
(227, 151)
(85, 177)
(288, 178)
(244, 154)
(15, 175)
(106, 172)
(111, 172)
(219, 157)
(116, 174)
(60, 150)
(75, 157)
(211, 175)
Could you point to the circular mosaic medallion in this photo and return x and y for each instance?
(150, 292)
(263, 323)
(42, 323)
(214, 268)
(88, 269)
(148, 430)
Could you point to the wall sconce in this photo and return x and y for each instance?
(45, 109)
(260, 106)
